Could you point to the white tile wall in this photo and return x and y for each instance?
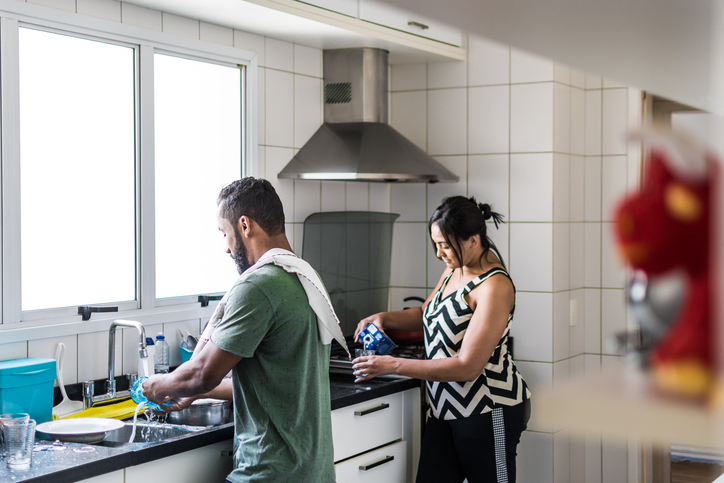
(488, 62)
(438, 191)
(561, 118)
(216, 34)
(408, 115)
(614, 121)
(577, 188)
(561, 256)
(527, 67)
(182, 26)
(332, 193)
(106, 9)
(577, 257)
(561, 330)
(139, 16)
(357, 196)
(488, 181)
(307, 108)
(405, 77)
(593, 101)
(279, 107)
(533, 326)
(253, 43)
(307, 199)
(531, 117)
(447, 74)
(307, 61)
(380, 197)
(614, 185)
(592, 254)
(578, 121)
(93, 355)
(276, 159)
(577, 342)
(46, 348)
(531, 187)
(279, 55)
(535, 458)
(592, 308)
(409, 242)
(531, 256)
(561, 187)
(446, 121)
(488, 126)
(404, 199)
(13, 350)
(592, 183)
(561, 457)
(613, 317)
(613, 273)
(68, 5)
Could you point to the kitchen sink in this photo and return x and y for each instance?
(145, 433)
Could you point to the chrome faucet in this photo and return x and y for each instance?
(111, 393)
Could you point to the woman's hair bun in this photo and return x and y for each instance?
(487, 212)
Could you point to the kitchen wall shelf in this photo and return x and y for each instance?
(621, 404)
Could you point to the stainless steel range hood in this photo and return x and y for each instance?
(355, 143)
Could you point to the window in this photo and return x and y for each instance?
(115, 144)
(77, 171)
(198, 150)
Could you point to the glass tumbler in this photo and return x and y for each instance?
(19, 439)
(9, 418)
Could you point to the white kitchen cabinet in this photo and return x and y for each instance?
(381, 465)
(386, 15)
(115, 477)
(345, 7)
(206, 464)
(378, 439)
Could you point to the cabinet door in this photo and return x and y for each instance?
(205, 464)
(385, 464)
(115, 477)
(363, 426)
(345, 7)
(388, 16)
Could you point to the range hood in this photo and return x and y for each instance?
(356, 143)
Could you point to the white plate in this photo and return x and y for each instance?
(80, 430)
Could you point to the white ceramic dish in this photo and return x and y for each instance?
(81, 430)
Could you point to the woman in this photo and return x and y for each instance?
(479, 402)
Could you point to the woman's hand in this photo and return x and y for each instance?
(372, 319)
(367, 367)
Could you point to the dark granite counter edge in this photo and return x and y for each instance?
(146, 452)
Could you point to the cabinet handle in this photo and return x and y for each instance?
(381, 462)
(372, 410)
(412, 23)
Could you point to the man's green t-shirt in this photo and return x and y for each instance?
(281, 385)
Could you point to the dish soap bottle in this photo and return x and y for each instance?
(161, 355)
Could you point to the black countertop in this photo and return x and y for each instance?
(74, 461)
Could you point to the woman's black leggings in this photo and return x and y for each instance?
(480, 448)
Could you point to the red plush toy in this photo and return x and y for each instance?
(666, 226)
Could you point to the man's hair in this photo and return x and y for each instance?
(255, 198)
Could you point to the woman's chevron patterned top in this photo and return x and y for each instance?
(446, 321)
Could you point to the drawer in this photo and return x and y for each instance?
(386, 15)
(385, 464)
(359, 428)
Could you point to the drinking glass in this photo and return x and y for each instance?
(19, 439)
(9, 418)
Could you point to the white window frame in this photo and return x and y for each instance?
(17, 325)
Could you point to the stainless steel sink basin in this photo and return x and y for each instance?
(146, 433)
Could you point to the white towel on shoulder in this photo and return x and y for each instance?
(327, 320)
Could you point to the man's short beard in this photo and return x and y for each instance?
(240, 254)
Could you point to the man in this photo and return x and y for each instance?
(268, 336)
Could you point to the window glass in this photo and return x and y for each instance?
(197, 109)
(77, 165)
